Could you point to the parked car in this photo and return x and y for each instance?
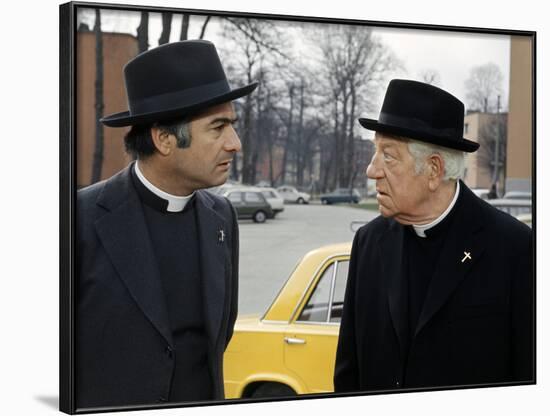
(341, 195)
(249, 203)
(517, 195)
(513, 207)
(483, 193)
(223, 188)
(291, 348)
(275, 200)
(263, 184)
(291, 195)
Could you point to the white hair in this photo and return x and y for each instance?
(453, 159)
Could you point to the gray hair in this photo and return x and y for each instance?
(453, 159)
(139, 143)
(180, 129)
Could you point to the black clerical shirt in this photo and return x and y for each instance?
(175, 241)
(422, 256)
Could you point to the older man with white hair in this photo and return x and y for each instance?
(440, 286)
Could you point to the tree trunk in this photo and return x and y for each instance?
(166, 28)
(260, 132)
(234, 167)
(98, 150)
(184, 26)
(341, 143)
(300, 140)
(351, 156)
(288, 140)
(143, 32)
(204, 25)
(330, 171)
(246, 142)
(247, 135)
(270, 155)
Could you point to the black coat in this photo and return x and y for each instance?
(123, 342)
(476, 325)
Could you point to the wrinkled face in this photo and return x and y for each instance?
(400, 191)
(214, 142)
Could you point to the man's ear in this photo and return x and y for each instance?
(435, 170)
(162, 141)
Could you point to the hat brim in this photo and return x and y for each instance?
(124, 118)
(462, 144)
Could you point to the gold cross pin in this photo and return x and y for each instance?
(466, 256)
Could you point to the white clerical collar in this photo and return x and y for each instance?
(175, 203)
(420, 230)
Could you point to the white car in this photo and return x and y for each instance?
(274, 198)
(290, 194)
(221, 189)
(481, 192)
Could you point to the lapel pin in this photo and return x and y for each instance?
(466, 256)
(221, 236)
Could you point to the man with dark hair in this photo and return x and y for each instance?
(440, 286)
(157, 257)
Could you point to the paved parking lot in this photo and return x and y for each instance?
(269, 251)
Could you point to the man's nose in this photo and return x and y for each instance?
(232, 141)
(374, 171)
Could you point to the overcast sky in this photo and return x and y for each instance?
(452, 54)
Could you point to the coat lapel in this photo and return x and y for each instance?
(125, 237)
(459, 254)
(391, 245)
(213, 241)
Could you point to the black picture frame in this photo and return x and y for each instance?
(68, 182)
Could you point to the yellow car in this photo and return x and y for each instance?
(291, 348)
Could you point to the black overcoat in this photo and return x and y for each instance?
(476, 325)
(123, 342)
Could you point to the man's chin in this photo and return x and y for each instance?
(220, 180)
(385, 212)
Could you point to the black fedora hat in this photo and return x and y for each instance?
(174, 80)
(422, 112)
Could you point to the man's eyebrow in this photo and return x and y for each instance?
(386, 145)
(225, 120)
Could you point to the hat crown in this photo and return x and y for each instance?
(172, 67)
(422, 112)
(424, 104)
(174, 81)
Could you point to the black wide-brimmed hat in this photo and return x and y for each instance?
(422, 112)
(174, 80)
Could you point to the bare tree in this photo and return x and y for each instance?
(262, 33)
(430, 76)
(184, 27)
(204, 25)
(356, 65)
(298, 120)
(483, 87)
(492, 150)
(143, 32)
(253, 45)
(97, 163)
(166, 28)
